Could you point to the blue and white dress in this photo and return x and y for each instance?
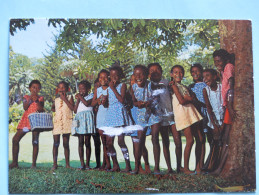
(117, 120)
(102, 111)
(144, 117)
(197, 88)
(83, 123)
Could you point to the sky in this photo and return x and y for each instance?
(33, 42)
(172, 9)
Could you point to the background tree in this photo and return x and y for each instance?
(236, 37)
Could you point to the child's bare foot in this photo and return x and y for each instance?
(87, 167)
(170, 171)
(114, 169)
(156, 172)
(187, 172)
(141, 170)
(135, 171)
(13, 165)
(54, 167)
(147, 169)
(107, 167)
(33, 166)
(126, 170)
(68, 166)
(181, 170)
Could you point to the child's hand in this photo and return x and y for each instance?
(112, 85)
(63, 96)
(171, 83)
(78, 96)
(140, 104)
(34, 97)
(147, 104)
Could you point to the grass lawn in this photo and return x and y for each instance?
(62, 180)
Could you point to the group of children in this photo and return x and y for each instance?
(147, 107)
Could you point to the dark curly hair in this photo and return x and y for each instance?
(103, 71)
(119, 69)
(86, 83)
(35, 82)
(225, 56)
(65, 84)
(144, 68)
(177, 66)
(155, 64)
(197, 65)
(213, 72)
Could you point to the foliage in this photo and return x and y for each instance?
(72, 181)
(20, 24)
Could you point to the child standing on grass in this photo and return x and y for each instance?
(117, 121)
(224, 62)
(134, 136)
(141, 95)
(184, 111)
(83, 123)
(199, 103)
(31, 103)
(160, 86)
(100, 100)
(214, 103)
(63, 106)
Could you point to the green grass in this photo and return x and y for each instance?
(43, 180)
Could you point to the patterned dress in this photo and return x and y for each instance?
(102, 111)
(117, 120)
(197, 88)
(24, 123)
(144, 116)
(63, 117)
(185, 115)
(83, 122)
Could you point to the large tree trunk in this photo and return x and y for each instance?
(236, 37)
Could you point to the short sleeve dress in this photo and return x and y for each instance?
(83, 122)
(102, 111)
(24, 123)
(63, 117)
(185, 115)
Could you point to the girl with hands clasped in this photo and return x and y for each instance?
(100, 100)
(63, 106)
(83, 123)
(185, 113)
(31, 103)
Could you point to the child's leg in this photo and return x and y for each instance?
(165, 140)
(156, 147)
(56, 139)
(211, 142)
(88, 150)
(139, 148)
(81, 150)
(178, 147)
(145, 156)
(66, 148)
(112, 153)
(35, 144)
(125, 153)
(135, 142)
(106, 159)
(198, 134)
(188, 148)
(224, 150)
(97, 147)
(16, 140)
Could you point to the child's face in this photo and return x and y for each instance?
(177, 74)
(83, 90)
(196, 74)
(219, 63)
(114, 75)
(209, 79)
(140, 77)
(103, 79)
(155, 73)
(132, 80)
(62, 88)
(34, 89)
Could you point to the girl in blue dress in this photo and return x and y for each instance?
(117, 121)
(100, 100)
(83, 123)
(141, 92)
(199, 128)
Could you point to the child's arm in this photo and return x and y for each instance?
(70, 103)
(209, 109)
(26, 103)
(120, 97)
(77, 103)
(85, 102)
(53, 107)
(186, 99)
(40, 104)
(95, 100)
(230, 101)
(139, 104)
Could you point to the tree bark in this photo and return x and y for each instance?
(236, 37)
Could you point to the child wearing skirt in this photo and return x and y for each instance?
(83, 123)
